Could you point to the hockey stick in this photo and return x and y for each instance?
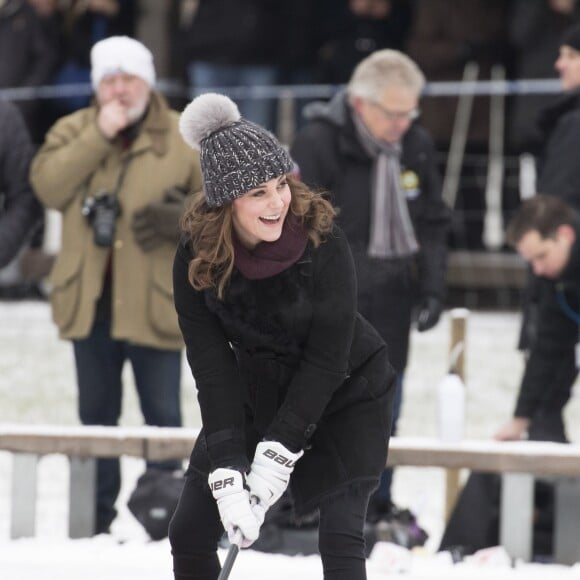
(229, 562)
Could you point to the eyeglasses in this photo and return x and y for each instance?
(396, 115)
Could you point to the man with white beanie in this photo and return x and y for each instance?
(119, 173)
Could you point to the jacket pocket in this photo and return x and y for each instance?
(162, 313)
(65, 284)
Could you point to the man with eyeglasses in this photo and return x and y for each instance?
(378, 167)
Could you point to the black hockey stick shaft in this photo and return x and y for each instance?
(229, 562)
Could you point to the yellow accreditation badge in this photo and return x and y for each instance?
(410, 183)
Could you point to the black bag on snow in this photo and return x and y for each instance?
(154, 500)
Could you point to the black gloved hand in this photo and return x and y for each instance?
(429, 312)
(158, 222)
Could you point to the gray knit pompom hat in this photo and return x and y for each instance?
(236, 155)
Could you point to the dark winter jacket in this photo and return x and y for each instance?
(444, 36)
(288, 358)
(91, 25)
(558, 174)
(559, 170)
(232, 32)
(28, 58)
(32, 57)
(351, 36)
(535, 32)
(19, 210)
(330, 157)
(551, 368)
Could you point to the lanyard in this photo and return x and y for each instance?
(575, 316)
(566, 308)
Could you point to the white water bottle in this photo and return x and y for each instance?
(451, 408)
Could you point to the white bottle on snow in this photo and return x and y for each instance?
(451, 408)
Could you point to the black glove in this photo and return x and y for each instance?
(158, 222)
(429, 313)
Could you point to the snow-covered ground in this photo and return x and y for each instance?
(37, 386)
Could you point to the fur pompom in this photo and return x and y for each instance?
(205, 115)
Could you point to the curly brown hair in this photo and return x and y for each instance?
(210, 230)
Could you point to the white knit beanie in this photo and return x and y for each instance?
(121, 54)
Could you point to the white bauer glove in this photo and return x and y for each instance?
(270, 474)
(233, 501)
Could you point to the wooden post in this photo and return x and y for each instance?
(457, 352)
(458, 332)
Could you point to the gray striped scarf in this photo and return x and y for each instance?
(391, 232)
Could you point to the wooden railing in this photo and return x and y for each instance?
(519, 463)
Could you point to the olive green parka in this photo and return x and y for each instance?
(76, 161)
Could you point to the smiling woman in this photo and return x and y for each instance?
(258, 216)
(292, 382)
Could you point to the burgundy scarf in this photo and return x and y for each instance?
(270, 258)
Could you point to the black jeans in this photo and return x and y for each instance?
(195, 530)
(386, 295)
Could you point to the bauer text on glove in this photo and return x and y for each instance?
(270, 472)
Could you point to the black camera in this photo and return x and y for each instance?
(102, 211)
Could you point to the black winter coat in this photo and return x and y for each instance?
(330, 157)
(559, 170)
(233, 32)
(289, 359)
(19, 209)
(559, 175)
(28, 57)
(551, 367)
